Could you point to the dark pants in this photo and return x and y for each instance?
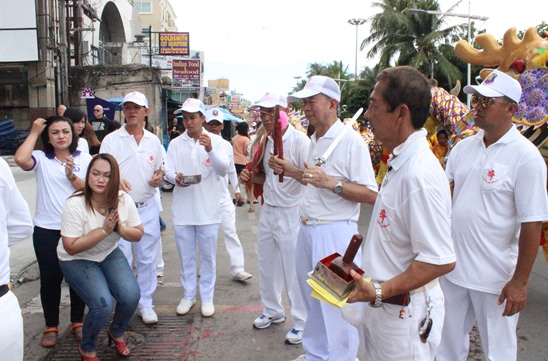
(45, 245)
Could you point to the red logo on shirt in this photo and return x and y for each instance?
(382, 219)
(207, 163)
(490, 176)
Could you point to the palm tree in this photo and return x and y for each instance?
(403, 37)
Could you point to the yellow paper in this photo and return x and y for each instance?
(320, 293)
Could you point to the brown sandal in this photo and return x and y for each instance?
(76, 329)
(49, 339)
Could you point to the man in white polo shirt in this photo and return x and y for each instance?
(215, 124)
(329, 212)
(196, 208)
(499, 201)
(141, 158)
(408, 245)
(279, 222)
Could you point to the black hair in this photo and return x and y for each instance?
(48, 148)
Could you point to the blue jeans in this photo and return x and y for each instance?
(103, 286)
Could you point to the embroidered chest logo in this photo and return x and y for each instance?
(207, 163)
(382, 219)
(150, 159)
(490, 176)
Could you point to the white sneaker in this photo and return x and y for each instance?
(148, 316)
(242, 276)
(301, 358)
(208, 309)
(263, 321)
(294, 336)
(184, 306)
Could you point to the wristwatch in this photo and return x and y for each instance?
(338, 188)
(378, 296)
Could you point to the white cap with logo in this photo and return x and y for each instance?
(137, 98)
(191, 105)
(497, 84)
(318, 84)
(270, 100)
(214, 114)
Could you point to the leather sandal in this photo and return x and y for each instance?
(85, 357)
(76, 329)
(49, 339)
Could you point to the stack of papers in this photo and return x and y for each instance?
(323, 294)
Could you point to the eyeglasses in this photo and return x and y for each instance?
(485, 102)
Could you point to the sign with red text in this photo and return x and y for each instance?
(173, 44)
(186, 73)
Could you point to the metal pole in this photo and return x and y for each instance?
(356, 58)
(468, 66)
(150, 46)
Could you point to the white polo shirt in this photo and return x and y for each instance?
(53, 187)
(349, 162)
(137, 162)
(198, 204)
(411, 219)
(78, 221)
(231, 176)
(495, 190)
(290, 192)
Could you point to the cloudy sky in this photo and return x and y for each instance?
(263, 46)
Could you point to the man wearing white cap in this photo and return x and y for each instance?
(214, 124)
(329, 213)
(499, 201)
(141, 158)
(196, 208)
(279, 222)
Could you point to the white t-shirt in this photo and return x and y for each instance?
(290, 192)
(349, 162)
(15, 219)
(495, 190)
(198, 204)
(78, 221)
(53, 187)
(137, 162)
(83, 145)
(411, 219)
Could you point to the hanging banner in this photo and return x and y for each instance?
(186, 73)
(174, 44)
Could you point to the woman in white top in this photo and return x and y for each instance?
(87, 141)
(60, 169)
(93, 221)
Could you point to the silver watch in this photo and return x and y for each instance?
(338, 188)
(378, 296)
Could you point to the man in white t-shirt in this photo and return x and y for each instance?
(279, 222)
(214, 124)
(408, 245)
(329, 212)
(499, 204)
(196, 208)
(15, 226)
(140, 156)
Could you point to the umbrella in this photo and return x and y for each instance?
(229, 116)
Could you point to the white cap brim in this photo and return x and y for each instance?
(483, 90)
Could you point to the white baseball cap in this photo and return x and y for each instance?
(191, 105)
(318, 84)
(270, 100)
(497, 84)
(214, 114)
(137, 98)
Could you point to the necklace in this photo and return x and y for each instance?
(60, 162)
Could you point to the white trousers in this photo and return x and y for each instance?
(326, 336)
(204, 239)
(232, 241)
(466, 307)
(277, 239)
(11, 332)
(160, 265)
(145, 251)
(386, 336)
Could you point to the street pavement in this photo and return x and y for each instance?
(229, 334)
